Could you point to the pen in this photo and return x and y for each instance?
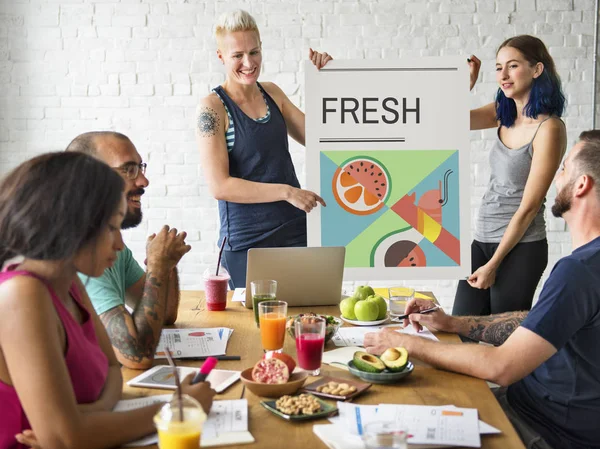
(432, 309)
(205, 370)
(218, 357)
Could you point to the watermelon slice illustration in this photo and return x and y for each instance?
(399, 248)
(361, 185)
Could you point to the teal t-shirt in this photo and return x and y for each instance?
(108, 290)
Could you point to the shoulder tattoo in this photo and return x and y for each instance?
(207, 121)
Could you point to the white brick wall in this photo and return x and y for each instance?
(139, 67)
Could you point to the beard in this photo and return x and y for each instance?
(132, 219)
(562, 203)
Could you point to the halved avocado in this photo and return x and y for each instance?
(369, 363)
(395, 359)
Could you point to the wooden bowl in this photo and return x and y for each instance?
(274, 390)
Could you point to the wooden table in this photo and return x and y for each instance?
(425, 386)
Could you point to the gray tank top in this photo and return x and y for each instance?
(509, 173)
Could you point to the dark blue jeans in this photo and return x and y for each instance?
(530, 437)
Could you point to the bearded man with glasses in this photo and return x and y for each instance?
(152, 296)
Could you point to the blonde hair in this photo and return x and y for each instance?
(232, 21)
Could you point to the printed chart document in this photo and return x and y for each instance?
(430, 426)
(354, 336)
(162, 377)
(131, 404)
(193, 342)
(227, 424)
(227, 421)
(436, 425)
(355, 417)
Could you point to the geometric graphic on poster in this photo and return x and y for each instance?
(392, 208)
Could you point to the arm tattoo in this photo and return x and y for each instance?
(207, 122)
(137, 339)
(494, 329)
(173, 298)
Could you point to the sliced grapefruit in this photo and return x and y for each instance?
(361, 185)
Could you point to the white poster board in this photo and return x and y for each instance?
(388, 150)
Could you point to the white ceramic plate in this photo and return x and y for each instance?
(364, 323)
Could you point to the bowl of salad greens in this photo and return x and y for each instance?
(333, 324)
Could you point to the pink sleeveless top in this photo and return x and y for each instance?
(86, 363)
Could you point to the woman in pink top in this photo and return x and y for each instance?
(58, 373)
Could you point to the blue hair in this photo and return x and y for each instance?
(546, 95)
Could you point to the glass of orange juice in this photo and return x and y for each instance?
(272, 318)
(175, 433)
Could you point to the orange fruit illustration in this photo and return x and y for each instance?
(361, 185)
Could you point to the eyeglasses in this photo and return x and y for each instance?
(132, 170)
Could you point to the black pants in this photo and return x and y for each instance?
(516, 279)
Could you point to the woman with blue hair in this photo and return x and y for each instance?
(510, 250)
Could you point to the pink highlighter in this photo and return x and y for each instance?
(205, 370)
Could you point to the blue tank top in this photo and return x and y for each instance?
(260, 154)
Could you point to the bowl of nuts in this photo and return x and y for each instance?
(300, 408)
(336, 388)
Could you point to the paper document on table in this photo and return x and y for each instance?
(336, 437)
(193, 342)
(354, 417)
(340, 357)
(450, 426)
(354, 336)
(132, 404)
(227, 423)
(343, 432)
(239, 295)
(424, 333)
(484, 428)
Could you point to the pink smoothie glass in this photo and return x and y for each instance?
(215, 288)
(310, 342)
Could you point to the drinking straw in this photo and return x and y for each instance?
(177, 383)
(220, 254)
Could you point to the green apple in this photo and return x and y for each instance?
(362, 292)
(381, 304)
(347, 307)
(366, 310)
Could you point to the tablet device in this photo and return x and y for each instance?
(162, 377)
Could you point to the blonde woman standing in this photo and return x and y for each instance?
(242, 130)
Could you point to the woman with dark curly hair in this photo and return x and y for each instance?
(59, 376)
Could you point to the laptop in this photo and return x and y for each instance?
(305, 276)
